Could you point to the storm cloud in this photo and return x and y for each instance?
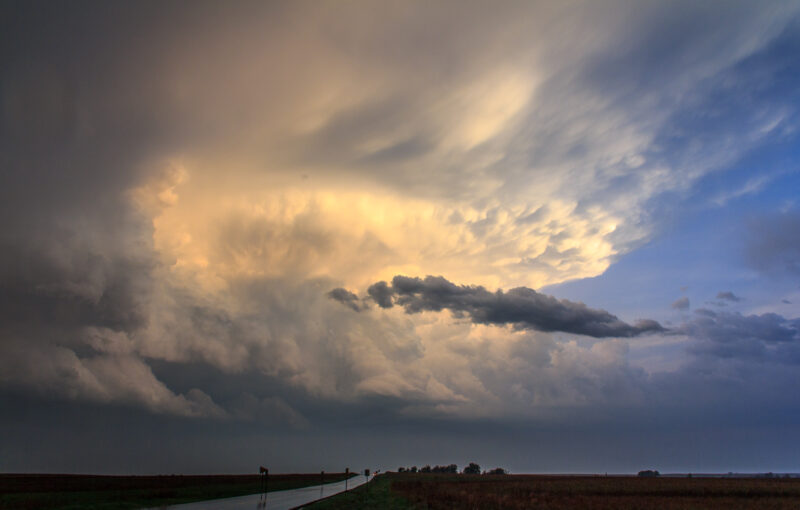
(346, 298)
(182, 186)
(736, 336)
(521, 307)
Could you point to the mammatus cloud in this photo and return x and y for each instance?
(728, 296)
(523, 308)
(681, 304)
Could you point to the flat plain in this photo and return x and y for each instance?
(516, 492)
(72, 492)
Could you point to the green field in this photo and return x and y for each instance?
(517, 492)
(73, 492)
(375, 495)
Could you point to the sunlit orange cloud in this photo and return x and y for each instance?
(360, 236)
(316, 155)
(334, 151)
(213, 231)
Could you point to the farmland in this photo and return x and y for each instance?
(67, 492)
(516, 492)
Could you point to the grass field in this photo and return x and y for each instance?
(375, 495)
(72, 492)
(513, 492)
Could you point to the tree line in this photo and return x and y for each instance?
(471, 469)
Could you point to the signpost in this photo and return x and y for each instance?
(346, 477)
(264, 472)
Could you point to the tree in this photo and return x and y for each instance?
(497, 471)
(425, 469)
(649, 473)
(413, 469)
(472, 469)
(452, 468)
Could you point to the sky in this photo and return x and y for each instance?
(555, 237)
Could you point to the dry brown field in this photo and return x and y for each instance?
(517, 492)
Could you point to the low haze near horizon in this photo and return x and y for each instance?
(547, 236)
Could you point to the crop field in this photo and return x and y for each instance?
(516, 492)
(68, 492)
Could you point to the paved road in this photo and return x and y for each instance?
(277, 500)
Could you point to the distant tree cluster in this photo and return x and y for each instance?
(452, 468)
(472, 469)
(649, 473)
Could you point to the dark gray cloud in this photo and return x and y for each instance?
(681, 304)
(347, 298)
(728, 296)
(521, 307)
(381, 293)
(737, 336)
(77, 265)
